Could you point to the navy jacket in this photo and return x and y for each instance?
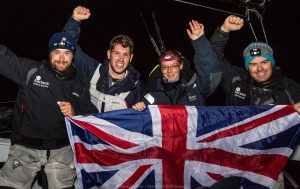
(200, 85)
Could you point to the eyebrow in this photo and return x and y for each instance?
(259, 61)
(177, 64)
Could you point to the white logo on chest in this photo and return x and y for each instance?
(239, 94)
(38, 82)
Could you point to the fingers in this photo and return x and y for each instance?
(235, 19)
(195, 25)
(196, 29)
(297, 107)
(81, 10)
(66, 108)
(140, 106)
(232, 23)
(81, 13)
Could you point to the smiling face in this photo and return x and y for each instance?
(260, 69)
(61, 59)
(119, 59)
(171, 65)
(171, 69)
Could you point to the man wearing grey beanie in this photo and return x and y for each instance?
(260, 82)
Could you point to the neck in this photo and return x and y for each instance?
(115, 75)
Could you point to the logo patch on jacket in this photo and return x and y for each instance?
(239, 94)
(75, 94)
(16, 163)
(150, 98)
(38, 82)
(193, 98)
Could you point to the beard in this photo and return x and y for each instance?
(60, 66)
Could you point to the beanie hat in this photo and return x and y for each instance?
(256, 49)
(62, 40)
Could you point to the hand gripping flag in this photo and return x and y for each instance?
(182, 146)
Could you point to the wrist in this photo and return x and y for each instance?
(77, 19)
(224, 29)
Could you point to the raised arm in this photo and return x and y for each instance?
(206, 62)
(218, 42)
(85, 64)
(72, 27)
(221, 36)
(14, 67)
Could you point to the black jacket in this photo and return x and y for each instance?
(240, 87)
(37, 114)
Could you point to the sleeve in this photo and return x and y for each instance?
(83, 62)
(137, 94)
(72, 27)
(294, 88)
(85, 104)
(13, 67)
(207, 66)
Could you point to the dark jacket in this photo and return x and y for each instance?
(195, 90)
(241, 88)
(37, 114)
(88, 65)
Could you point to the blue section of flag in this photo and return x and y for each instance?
(85, 136)
(124, 117)
(210, 119)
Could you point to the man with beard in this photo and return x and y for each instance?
(48, 91)
(115, 84)
(260, 82)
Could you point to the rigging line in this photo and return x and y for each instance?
(292, 181)
(151, 38)
(161, 42)
(260, 18)
(7, 102)
(207, 7)
(249, 22)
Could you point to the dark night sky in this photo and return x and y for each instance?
(26, 26)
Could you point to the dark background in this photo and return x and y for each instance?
(26, 26)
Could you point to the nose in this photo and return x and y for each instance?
(61, 57)
(169, 69)
(121, 58)
(259, 67)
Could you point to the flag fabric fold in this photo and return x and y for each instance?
(183, 146)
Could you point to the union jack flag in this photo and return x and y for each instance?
(182, 146)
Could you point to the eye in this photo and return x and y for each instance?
(55, 51)
(115, 53)
(252, 64)
(127, 55)
(265, 61)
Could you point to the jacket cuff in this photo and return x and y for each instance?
(74, 22)
(198, 43)
(222, 33)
